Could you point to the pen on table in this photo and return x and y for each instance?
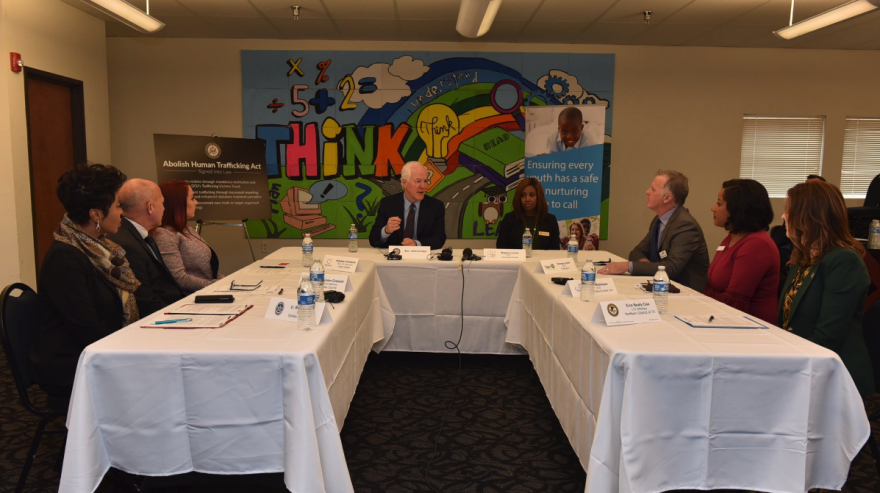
(163, 322)
(711, 318)
(271, 266)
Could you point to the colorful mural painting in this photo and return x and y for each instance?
(339, 126)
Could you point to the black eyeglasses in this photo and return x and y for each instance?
(233, 286)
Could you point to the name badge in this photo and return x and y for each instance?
(543, 233)
(627, 312)
(720, 249)
(663, 254)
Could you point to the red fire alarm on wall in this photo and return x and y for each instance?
(15, 62)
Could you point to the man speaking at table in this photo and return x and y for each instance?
(142, 208)
(674, 240)
(410, 218)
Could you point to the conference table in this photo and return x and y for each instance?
(646, 407)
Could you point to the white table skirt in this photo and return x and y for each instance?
(663, 406)
(256, 396)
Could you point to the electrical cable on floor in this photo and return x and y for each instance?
(449, 345)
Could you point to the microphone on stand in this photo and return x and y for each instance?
(468, 254)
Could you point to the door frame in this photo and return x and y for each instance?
(78, 122)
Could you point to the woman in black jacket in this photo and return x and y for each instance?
(86, 288)
(529, 210)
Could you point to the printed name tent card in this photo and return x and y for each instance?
(285, 309)
(604, 285)
(560, 266)
(409, 252)
(341, 264)
(628, 312)
(503, 254)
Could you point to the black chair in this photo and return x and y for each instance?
(860, 217)
(18, 316)
(871, 327)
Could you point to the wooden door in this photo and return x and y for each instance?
(56, 140)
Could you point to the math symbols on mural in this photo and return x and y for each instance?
(294, 67)
(274, 105)
(435, 176)
(322, 77)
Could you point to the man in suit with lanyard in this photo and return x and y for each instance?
(142, 207)
(674, 240)
(411, 217)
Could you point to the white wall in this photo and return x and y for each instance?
(54, 37)
(677, 108)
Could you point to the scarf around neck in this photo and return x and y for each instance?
(109, 261)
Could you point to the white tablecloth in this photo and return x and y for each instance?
(255, 396)
(663, 406)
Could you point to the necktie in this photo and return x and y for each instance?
(151, 242)
(655, 242)
(410, 229)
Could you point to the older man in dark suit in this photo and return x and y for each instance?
(674, 240)
(411, 217)
(142, 207)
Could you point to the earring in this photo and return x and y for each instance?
(97, 226)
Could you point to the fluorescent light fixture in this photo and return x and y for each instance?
(475, 17)
(127, 14)
(837, 14)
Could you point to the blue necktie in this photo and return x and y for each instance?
(655, 242)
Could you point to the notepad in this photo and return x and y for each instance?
(207, 309)
(720, 322)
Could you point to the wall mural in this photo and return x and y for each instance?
(339, 125)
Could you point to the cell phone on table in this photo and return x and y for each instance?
(215, 298)
(561, 280)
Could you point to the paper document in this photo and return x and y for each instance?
(207, 309)
(720, 322)
(194, 322)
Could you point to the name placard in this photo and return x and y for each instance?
(559, 266)
(628, 312)
(285, 309)
(420, 252)
(603, 286)
(337, 282)
(341, 264)
(503, 254)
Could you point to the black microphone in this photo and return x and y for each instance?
(445, 254)
(468, 254)
(394, 255)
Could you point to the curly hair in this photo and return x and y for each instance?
(89, 186)
(817, 222)
(748, 205)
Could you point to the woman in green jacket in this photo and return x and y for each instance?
(823, 298)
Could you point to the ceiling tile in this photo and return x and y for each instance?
(670, 34)
(360, 9)
(551, 32)
(568, 11)
(631, 11)
(508, 32)
(516, 10)
(306, 28)
(164, 7)
(776, 13)
(713, 12)
(221, 8)
(427, 11)
(309, 9)
(245, 27)
(175, 27)
(602, 33)
(728, 35)
(841, 39)
(374, 29)
(429, 31)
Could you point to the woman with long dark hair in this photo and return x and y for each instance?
(86, 287)
(823, 298)
(529, 210)
(192, 263)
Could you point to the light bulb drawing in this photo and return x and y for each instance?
(437, 124)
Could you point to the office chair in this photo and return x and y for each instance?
(18, 315)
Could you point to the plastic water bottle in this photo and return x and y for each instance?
(308, 248)
(352, 239)
(527, 242)
(874, 235)
(588, 281)
(573, 250)
(316, 277)
(305, 306)
(661, 290)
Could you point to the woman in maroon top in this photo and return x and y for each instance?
(745, 271)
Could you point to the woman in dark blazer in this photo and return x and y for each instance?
(529, 209)
(823, 298)
(86, 289)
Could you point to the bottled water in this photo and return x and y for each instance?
(573, 250)
(352, 239)
(661, 290)
(588, 281)
(308, 248)
(316, 277)
(305, 306)
(874, 235)
(527, 242)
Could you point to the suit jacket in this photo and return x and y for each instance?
(76, 307)
(687, 258)
(430, 230)
(828, 308)
(510, 233)
(158, 288)
(192, 263)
